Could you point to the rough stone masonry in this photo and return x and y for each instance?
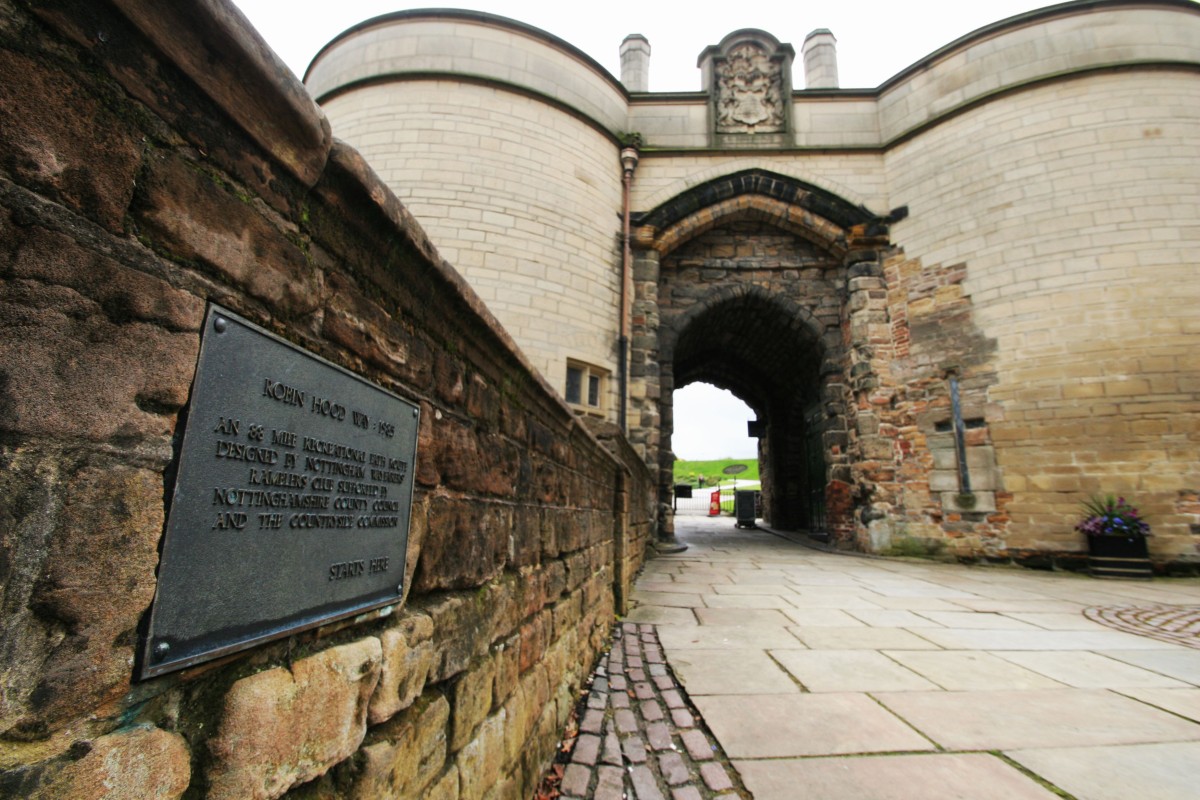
(155, 157)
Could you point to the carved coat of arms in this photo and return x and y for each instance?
(749, 92)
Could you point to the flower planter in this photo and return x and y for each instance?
(1119, 557)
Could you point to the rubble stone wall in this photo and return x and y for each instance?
(157, 156)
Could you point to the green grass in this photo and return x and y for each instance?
(713, 471)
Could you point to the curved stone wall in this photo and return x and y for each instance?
(521, 198)
(1048, 168)
(1072, 207)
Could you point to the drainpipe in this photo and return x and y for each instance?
(629, 162)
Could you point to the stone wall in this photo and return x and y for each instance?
(1065, 213)
(521, 193)
(139, 178)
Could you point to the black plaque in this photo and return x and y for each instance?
(291, 501)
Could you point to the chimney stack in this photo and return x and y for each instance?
(635, 63)
(820, 60)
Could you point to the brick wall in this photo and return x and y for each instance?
(139, 179)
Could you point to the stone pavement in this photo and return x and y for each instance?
(638, 736)
(827, 675)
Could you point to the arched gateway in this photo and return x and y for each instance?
(957, 378)
(747, 282)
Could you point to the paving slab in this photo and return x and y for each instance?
(731, 672)
(916, 603)
(1056, 621)
(1004, 720)
(1085, 670)
(822, 618)
(983, 620)
(893, 618)
(976, 639)
(670, 599)
(1040, 606)
(837, 600)
(1184, 702)
(779, 726)
(850, 671)
(861, 638)
(730, 637)
(675, 587)
(777, 589)
(964, 671)
(742, 616)
(746, 601)
(1158, 771)
(911, 777)
(1176, 662)
(663, 615)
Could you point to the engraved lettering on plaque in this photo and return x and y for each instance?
(292, 500)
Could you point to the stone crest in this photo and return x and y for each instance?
(749, 92)
(748, 76)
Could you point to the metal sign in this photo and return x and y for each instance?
(735, 469)
(291, 501)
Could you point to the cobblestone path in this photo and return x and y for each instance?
(1177, 624)
(639, 736)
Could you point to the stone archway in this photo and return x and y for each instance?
(771, 353)
(752, 283)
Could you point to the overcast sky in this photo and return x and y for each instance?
(875, 39)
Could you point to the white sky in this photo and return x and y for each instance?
(876, 40)
(710, 423)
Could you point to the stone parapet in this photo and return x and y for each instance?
(116, 233)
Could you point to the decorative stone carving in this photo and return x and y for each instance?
(749, 77)
(749, 92)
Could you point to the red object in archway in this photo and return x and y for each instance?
(714, 504)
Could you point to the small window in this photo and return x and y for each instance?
(574, 384)
(586, 386)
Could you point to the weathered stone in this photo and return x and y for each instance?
(96, 579)
(507, 657)
(120, 292)
(283, 727)
(402, 675)
(87, 158)
(410, 752)
(472, 700)
(140, 763)
(459, 635)
(466, 544)
(480, 761)
(69, 371)
(193, 216)
(445, 788)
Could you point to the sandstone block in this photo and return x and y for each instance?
(472, 701)
(481, 760)
(446, 787)
(465, 545)
(95, 578)
(402, 675)
(281, 728)
(87, 159)
(410, 753)
(141, 763)
(189, 213)
(68, 370)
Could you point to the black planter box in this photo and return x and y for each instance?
(1119, 557)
